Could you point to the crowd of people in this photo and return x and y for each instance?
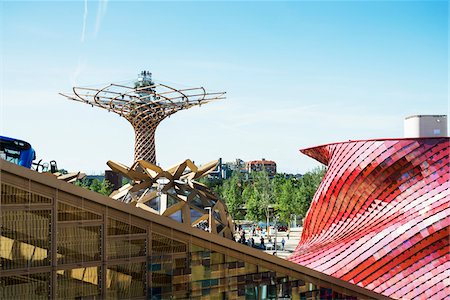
(256, 231)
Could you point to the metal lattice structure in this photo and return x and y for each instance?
(175, 193)
(144, 104)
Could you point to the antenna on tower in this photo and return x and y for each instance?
(144, 79)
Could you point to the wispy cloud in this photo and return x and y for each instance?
(78, 70)
(83, 32)
(101, 11)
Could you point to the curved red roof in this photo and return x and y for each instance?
(380, 218)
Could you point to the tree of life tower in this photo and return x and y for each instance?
(144, 104)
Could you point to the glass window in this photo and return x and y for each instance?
(10, 155)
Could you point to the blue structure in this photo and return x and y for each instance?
(16, 151)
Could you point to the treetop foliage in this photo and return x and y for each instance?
(103, 187)
(254, 198)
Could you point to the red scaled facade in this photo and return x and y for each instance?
(380, 218)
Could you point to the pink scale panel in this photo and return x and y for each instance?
(380, 218)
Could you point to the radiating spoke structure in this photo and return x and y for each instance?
(175, 193)
(380, 218)
(144, 104)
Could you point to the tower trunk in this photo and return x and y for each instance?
(144, 143)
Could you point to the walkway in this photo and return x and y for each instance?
(289, 247)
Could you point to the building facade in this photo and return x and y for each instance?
(381, 216)
(260, 165)
(425, 126)
(59, 241)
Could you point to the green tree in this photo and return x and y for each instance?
(82, 183)
(286, 203)
(215, 184)
(261, 201)
(103, 187)
(96, 185)
(260, 195)
(250, 202)
(277, 184)
(231, 192)
(308, 185)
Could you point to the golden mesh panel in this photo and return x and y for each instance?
(180, 263)
(68, 212)
(217, 258)
(169, 267)
(31, 286)
(213, 275)
(166, 245)
(78, 244)
(126, 281)
(24, 239)
(14, 195)
(178, 247)
(78, 283)
(124, 248)
(161, 244)
(116, 227)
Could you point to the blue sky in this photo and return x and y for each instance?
(297, 74)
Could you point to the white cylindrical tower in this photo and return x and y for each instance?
(425, 126)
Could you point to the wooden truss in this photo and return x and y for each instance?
(69, 177)
(175, 193)
(144, 107)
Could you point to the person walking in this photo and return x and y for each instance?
(282, 244)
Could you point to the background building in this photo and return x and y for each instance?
(425, 126)
(224, 170)
(259, 165)
(114, 178)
